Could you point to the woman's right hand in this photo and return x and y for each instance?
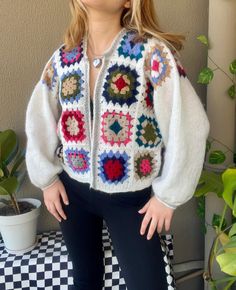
(52, 199)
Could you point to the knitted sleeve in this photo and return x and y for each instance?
(42, 114)
(183, 124)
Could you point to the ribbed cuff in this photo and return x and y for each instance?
(170, 206)
(49, 185)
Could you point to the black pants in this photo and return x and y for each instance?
(140, 260)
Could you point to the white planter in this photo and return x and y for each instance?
(19, 232)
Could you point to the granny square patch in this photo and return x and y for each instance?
(113, 167)
(121, 85)
(148, 132)
(144, 164)
(68, 58)
(78, 160)
(116, 127)
(71, 86)
(72, 122)
(158, 65)
(50, 75)
(129, 48)
(149, 95)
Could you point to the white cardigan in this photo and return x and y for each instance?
(145, 108)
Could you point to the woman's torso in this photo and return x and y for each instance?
(111, 153)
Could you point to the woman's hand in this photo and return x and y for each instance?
(52, 199)
(159, 213)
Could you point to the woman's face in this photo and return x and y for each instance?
(111, 6)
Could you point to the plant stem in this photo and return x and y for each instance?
(15, 204)
(222, 144)
(221, 222)
(229, 284)
(214, 245)
(222, 280)
(222, 70)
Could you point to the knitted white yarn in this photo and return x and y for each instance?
(177, 109)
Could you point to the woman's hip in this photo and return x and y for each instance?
(82, 191)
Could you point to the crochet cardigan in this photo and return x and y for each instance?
(150, 127)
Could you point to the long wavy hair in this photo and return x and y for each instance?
(140, 17)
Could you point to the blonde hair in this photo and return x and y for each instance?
(141, 17)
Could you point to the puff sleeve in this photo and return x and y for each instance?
(183, 124)
(42, 115)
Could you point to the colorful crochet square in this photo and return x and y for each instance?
(148, 132)
(149, 95)
(72, 125)
(50, 75)
(144, 164)
(71, 86)
(71, 57)
(158, 65)
(113, 167)
(121, 85)
(116, 127)
(78, 160)
(129, 48)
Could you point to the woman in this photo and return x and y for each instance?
(112, 99)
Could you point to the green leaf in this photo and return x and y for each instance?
(8, 146)
(203, 39)
(232, 231)
(213, 287)
(227, 263)
(205, 76)
(209, 182)
(216, 221)
(233, 219)
(229, 284)
(229, 182)
(234, 207)
(18, 161)
(231, 91)
(232, 67)
(216, 157)
(3, 191)
(9, 184)
(223, 238)
(201, 206)
(231, 245)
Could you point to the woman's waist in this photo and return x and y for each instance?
(130, 190)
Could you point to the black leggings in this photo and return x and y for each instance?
(140, 260)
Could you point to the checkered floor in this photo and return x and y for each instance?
(48, 266)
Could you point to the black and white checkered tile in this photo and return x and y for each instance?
(48, 266)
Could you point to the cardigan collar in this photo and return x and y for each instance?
(108, 52)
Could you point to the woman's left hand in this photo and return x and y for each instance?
(158, 213)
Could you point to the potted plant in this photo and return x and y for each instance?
(18, 218)
(219, 179)
(223, 184)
